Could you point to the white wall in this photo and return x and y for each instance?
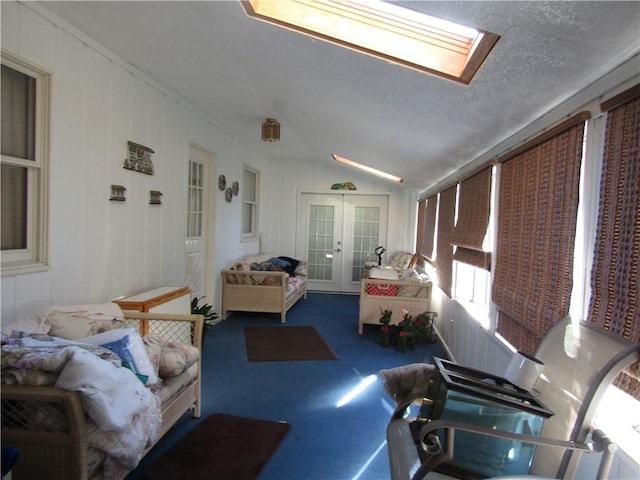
(99, 250)
(465, 340)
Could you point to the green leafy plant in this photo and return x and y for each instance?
(206, 311)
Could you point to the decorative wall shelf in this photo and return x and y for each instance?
(155, 197)
(118, 193)
(139, 158)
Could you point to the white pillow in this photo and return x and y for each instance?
(78, 321)
(110, 395)
(128, 344)
(383, 274)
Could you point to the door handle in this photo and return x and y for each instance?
(337, 250)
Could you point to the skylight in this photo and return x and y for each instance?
(384, 30)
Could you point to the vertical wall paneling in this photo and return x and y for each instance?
(101, 250)
(467, 341)
(41, 48)
(10, 31)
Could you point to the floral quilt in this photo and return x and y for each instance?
(124, 416)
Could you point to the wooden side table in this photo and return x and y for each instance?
(158, 300)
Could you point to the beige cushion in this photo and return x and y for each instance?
(400, 261)
(77, 321)
(176, 359)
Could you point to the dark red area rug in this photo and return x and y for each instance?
(221, 447)
(271, 344)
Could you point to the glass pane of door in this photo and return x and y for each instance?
(195, 209)
(320, 242)
(366, 237)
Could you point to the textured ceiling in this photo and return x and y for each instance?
(328, 99)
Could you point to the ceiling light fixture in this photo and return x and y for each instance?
(270, 130)
(373, 171)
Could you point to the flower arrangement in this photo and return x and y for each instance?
(409, 332)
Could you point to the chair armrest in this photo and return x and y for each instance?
(168, 325)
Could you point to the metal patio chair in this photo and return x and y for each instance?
(581, 361)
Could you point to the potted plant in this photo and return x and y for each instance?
(385, 319)
(424, 327)
(207, 312)
(405, 333)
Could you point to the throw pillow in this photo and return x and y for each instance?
(292, 265)
(176, 359)
(127, 343)
(76, 321)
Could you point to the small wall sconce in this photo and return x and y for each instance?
(118, 193)
(155, 197)
(270, 130)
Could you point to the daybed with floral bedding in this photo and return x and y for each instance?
(89, 406)
(263, 283)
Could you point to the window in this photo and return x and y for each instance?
(472, 288)
(250, 193)
(24, 112)
(387, 31)
(473, 237)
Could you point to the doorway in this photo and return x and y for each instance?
(200, 224)
(337, 233)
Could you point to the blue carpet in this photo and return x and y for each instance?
(326, 442)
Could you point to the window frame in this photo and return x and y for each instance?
(34, 257)
(253, 204)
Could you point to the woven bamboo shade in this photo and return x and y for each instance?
(426, 226)
(444, 249)
(538, 201)
(474, 200)
(615, 281)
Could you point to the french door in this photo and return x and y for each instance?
(337, 233)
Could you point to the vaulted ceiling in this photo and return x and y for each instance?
(329, 99)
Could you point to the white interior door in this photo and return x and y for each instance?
(336, 234)
(200, 222)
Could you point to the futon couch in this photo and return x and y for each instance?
(92, 404)
(263, 283)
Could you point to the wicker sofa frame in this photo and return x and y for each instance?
(60, 452)
(250, 291)
(371, 305)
